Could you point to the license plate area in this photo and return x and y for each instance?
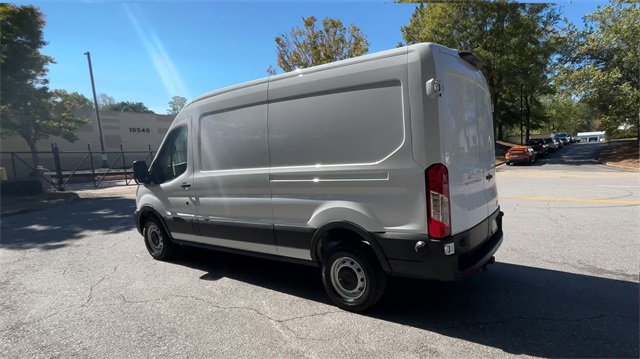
(494, 226)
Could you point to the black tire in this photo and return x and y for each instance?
(352, 277)
(157, 241)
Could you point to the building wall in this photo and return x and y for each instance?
(135, 131)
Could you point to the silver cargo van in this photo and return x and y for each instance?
(373, 166)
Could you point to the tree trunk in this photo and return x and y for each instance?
(497, 128)
(527, 107)
(638, 127)
(34, 154)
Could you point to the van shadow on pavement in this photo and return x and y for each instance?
(519, 309)
(59, 226)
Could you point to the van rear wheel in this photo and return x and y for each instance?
(157, 241)
(353, 278)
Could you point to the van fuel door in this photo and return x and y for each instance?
(434, 88)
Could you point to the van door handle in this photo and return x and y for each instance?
(186, 185)
(489, 177)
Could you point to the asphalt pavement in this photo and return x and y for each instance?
(76, 281)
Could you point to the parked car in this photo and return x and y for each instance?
(562, 137)
(538, 145)
(312, 181)
(559, 143)
(552, 145)
(520, 154)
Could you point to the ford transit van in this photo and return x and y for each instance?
(375, 166)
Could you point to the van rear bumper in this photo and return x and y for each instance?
(473, 249)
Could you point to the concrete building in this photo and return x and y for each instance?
(135, 131)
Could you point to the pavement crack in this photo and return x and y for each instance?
(282, 322)
(25, 323)
(310, 316)
(95, 285)
(116, 243)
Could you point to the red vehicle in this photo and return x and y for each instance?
(539, 146)
(520, 154)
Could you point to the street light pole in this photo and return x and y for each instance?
(95, 103)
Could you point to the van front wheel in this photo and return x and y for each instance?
(158, 243)
(353, 278)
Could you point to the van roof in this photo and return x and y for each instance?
(336, 64)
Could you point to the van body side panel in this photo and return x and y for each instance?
(340, 149)
(231, 173)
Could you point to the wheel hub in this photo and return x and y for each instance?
(154, 238)
(348, 278)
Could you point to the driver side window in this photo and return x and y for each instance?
(172, 157)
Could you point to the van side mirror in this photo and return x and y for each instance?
(141, 172)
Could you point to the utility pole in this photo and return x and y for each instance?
(95, 103)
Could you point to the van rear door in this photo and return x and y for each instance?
(466, 130)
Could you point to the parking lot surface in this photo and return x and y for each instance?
(76, 281)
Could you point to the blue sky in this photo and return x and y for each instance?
(151, 50)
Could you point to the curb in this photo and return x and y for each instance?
(630, 169)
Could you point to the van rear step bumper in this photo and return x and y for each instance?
(474, 249)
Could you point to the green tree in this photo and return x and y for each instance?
(105, 100)
(515, 42)
(74, 100)
(602, 66)
(22, 66)
(44, 114)
(28, 108)
(309, 46)
(127, 106)
(176, 104)
(565, 114)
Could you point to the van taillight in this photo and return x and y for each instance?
(438, 212)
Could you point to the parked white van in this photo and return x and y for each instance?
(373, 166)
